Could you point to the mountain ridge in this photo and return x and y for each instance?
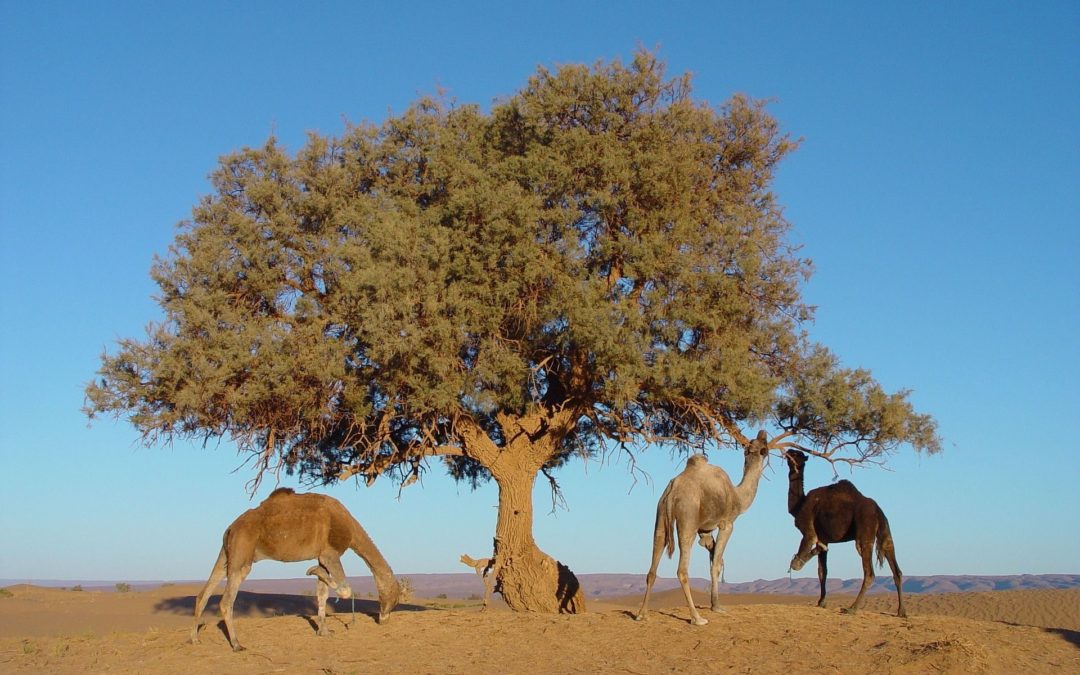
(466, 585)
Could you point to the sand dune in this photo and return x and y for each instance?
(52, 630)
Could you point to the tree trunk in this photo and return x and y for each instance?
(528, 579)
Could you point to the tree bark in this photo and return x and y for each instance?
(528, 579)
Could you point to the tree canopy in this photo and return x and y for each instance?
(597, 261)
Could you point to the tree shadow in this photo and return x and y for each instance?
(1070, 636)
(571, 600)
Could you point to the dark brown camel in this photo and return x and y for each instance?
(290, 527)
(837, 513)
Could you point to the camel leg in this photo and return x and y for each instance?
(717, 559)
(657, 552)
(708, 542)
(322, 592)
(822, 574)
(216, 575)
(868, 574)
(323, 584)
(808, 547)
(236, 576)
(321, 574)
(332, 562)
(897, 575)
(686, 545)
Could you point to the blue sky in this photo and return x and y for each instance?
(937, 190)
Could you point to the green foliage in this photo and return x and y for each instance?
(77, 587)
(838, 409)
(598, 242)
(122, 587)
(5, 593)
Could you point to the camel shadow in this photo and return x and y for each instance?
(251, 604)
(666, 613)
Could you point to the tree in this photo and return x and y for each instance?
(597, 263)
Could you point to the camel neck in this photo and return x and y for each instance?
(364, 547)
(795, 492)
(380, 569)
(747, 488)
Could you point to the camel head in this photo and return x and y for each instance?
(802, 557)
(388, 600)
(757, 448)
(796, 461)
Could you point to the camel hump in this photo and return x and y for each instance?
(846, 486)
(281, 492)
(695, 461)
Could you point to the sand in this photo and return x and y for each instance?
(62, 631)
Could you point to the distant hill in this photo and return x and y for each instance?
(614, 585)
(627, 584)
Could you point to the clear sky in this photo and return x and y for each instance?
(937, 189)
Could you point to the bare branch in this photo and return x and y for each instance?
(557, 498)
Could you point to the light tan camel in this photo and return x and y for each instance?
(696, 502)
(290, 527)
(835, 513)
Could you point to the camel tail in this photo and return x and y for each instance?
(884, 543)
(665, 522)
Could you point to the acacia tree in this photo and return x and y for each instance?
(597, 263)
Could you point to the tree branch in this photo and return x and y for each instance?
(373, 468)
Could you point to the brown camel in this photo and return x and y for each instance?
(696, 502)
(290, 527)
(837, 513)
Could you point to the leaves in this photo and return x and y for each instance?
(598, 258)
(838, 409)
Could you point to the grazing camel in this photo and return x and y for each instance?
(696, 502)
(837, 513)
(290, 527)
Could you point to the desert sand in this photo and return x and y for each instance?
(63, 631)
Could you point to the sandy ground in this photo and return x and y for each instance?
(61, 631)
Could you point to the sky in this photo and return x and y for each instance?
(936, 188)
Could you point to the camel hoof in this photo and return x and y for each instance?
(902, 614)
(718, 609)
(640, 617)
(699, 621)
(238, 648)
(849, 610)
